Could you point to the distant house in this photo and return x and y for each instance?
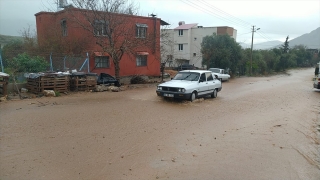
(183, 44)
(143, 61)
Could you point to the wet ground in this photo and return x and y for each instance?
(257, 128)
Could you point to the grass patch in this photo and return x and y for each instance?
(57, 93)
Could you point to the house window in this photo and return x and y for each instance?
(194, 54)
(180, 32)
(141, 60)
(180, 47)
(102, 62)
(64, 27)
(100, 27)
(141, 30)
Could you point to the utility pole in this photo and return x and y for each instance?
(252, 49)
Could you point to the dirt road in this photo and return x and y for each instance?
(257, 128)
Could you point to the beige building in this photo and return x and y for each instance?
(182, 45)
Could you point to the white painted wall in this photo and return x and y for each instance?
(191, 40)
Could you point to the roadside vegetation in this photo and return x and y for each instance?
(21, 55)
(223, 52)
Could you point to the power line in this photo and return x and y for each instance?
(243, 34)
(231, 16)
(263, 35)
(188, 2)
(215, 14)
(207, 8)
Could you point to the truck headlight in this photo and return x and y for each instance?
(182, 90)
(159, 88)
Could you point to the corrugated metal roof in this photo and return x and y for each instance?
(186, 26)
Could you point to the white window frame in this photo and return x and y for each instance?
(180, 47)
(180, 32)
(102, 61)
(142, 60)
(141, 30)
(100, 27)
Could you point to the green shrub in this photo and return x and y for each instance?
(24, 63)
(57, 93)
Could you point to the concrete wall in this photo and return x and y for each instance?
(192, 39)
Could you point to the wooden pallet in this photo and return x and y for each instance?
(4, 81)
(52, 82)
(82, 83)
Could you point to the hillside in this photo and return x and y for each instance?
(7, 39)
(264, 45)
(311, 40)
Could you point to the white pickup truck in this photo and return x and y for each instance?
(222, 75)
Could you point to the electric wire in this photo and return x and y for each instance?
(227, 14)
(192, 4)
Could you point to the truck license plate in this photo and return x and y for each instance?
(168, 95)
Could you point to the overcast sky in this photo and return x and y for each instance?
(276, 18)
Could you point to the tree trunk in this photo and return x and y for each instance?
(117, 70)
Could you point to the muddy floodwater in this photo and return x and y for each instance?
(258, 128)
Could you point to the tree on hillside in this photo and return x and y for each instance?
(220, 51)
(284, 58)
(285, 46)
(107, 21)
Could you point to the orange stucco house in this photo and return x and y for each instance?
(68, 25)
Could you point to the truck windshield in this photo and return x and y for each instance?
(214, 70)
(187, 76)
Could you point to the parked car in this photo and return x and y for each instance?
(190, 84)
(185, 67)
(107, 79)
(221, 73)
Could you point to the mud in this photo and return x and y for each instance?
(257, 128)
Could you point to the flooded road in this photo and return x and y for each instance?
(257, 128)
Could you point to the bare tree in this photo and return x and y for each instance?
(166, 48)
(166, 45)
(110, 22)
